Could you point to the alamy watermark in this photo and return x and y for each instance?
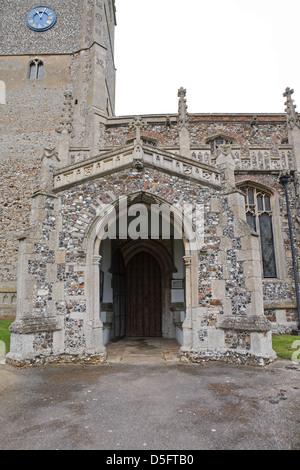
(2, 92)
(151, 221)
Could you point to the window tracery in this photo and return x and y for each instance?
(260, 218)
(36, 68)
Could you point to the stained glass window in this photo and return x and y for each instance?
(259, 217)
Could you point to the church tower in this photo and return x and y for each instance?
(57, 74)
(48, 51)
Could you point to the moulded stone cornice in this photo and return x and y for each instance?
(32, 232)
(11, 290)
(34, 325)
(44, 193)
(281, 304)
(239, 323)
(263, 119)
(233, 190)
(259, 172)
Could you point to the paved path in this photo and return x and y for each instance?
(143, 350)
(163, 406)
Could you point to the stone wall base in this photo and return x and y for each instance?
(7, 312)
(230, 357)
(60, 359)
(283, 329)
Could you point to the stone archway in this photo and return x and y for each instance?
(138, 296)
(96, 251)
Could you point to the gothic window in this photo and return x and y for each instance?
(36, 67)
(259, 217)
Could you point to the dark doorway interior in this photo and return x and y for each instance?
(119, 297)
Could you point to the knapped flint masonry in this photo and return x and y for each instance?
(74, 173)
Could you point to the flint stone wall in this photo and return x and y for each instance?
(57, 268)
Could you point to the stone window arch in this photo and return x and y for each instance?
(36, 69)
(259, 214)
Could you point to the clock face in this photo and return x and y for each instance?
(41, 19)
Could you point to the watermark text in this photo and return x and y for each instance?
(151, 221)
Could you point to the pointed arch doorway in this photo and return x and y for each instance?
(141, 284)
(178, 291)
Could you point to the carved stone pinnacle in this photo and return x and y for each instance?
(66, 119)
(182, 108)
(292, 116)
(138, 126)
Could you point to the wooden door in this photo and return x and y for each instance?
(143, 296)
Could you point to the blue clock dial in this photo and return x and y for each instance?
(41, 19)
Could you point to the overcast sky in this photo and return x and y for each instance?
(232, 56)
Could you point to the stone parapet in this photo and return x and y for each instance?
(125, 158)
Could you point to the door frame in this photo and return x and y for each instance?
(91, 249)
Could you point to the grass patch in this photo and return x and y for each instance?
(282, 345)
(4, 332)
